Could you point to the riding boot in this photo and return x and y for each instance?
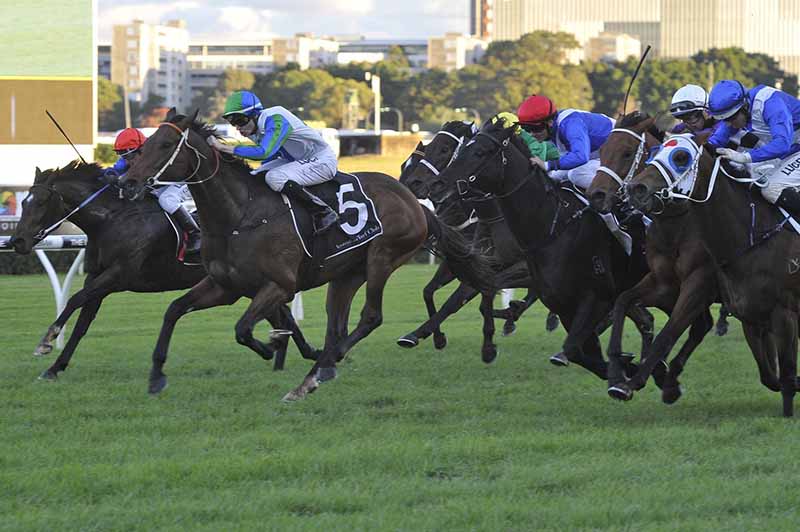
(187, 223)
(324, 216)
(790, 200)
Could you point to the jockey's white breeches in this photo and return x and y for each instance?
(785, 174)
(170, 197)
(580, 176)
(305, 172)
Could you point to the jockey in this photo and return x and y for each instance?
(689, 106)
(774, 117)
(293, 155)
(170, 197)
(578, 136)
(544, 150)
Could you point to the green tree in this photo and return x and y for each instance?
(110, 113)
(751, 69)
(211, 101)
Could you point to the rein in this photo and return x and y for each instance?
(44, 232)
(154, 181)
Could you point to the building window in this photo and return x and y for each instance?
(131, 30)
(133, 70)
(132, 43)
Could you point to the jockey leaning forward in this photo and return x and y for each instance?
(293, 155)
(170, 197)
(545, 150)
(577, 135)
(774, 117)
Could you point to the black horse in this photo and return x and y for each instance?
(251, 249)
(577, 266)
(131, 247)
(481, 222)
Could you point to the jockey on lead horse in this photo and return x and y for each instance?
(293, 155)
(774, 117)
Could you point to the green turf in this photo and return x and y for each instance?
(402, 440)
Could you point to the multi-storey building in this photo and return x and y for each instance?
(209, 60)
(481, 15)
(305, 50)
(151, 59)
(454, 51)
(373, 50)
(104, 61)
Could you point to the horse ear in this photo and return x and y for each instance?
(644, 125)
(171, 113)
(38, 175)
(187, 121)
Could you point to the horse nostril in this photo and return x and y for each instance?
(597, 198)
(637, 191)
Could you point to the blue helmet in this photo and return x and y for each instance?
(244, 103)
(726, 98)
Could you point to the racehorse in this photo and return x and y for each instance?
(577, 267)
(755, 262)
(480, 222)
(250, 247)
(131, 247)
(681, 280)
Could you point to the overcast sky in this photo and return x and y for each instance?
(256, 19)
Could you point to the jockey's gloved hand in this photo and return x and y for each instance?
(111, 177)
(536, 161)
(219, 146)
(735, 156)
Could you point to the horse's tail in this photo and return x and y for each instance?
(469, 264)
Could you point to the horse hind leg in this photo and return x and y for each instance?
(265, 302)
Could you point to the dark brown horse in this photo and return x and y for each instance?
(576, 265)
(681, 281)
(481, 222)
(131, 247)
(250, 247)
(755, 256)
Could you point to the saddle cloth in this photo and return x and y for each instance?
(358, 219)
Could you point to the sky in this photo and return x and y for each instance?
(258, 19)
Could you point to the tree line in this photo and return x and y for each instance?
(508, 72)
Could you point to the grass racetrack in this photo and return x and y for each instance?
(402, 440)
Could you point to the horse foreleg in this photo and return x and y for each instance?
(203, 295)
(85, 318)
(95, 286)
(488, 350)
(337, 307)
(442, 277)
(460, 297)
(784, 330)
(286, 321)
(722, 321)
(763, 349)
(590, 310)
(671, 388)
(267, 301)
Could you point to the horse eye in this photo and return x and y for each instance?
(165, 145)
(627, 154)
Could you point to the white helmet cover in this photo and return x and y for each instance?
(687, 99)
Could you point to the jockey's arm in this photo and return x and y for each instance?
(779, 120)
(577, 138)
(276, 130)
(722, 135)
(121, 166)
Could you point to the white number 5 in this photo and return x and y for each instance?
(350, 204)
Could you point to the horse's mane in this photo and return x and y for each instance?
(634, 118)
(77, 170)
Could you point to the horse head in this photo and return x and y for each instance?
(621, 157)
(670, 174)
(480, 166)
(437, 155)
(46, 204)
(176, 153)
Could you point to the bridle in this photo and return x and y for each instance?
(642, 138)
(430, 166)
(462, 186)
(52, 190)
(184, 134)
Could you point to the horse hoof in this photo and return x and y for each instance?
(660, 373)
(439, 341)
(670, 394)
(630, 369)
(509, 328)
(489, 353)
(552, 322)
(559, 359)
(722, 328)
(326, 374)
(42, 350)
(48, 375)
(157, 385)
(309, 385)
(621, 393)
(408, 341)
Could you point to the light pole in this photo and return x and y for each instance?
(399, 116)
(375, 84)
(476, 116)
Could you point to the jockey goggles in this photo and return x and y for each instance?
(678, 109)
(125, 154)
(534, 128)
(238, 119)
